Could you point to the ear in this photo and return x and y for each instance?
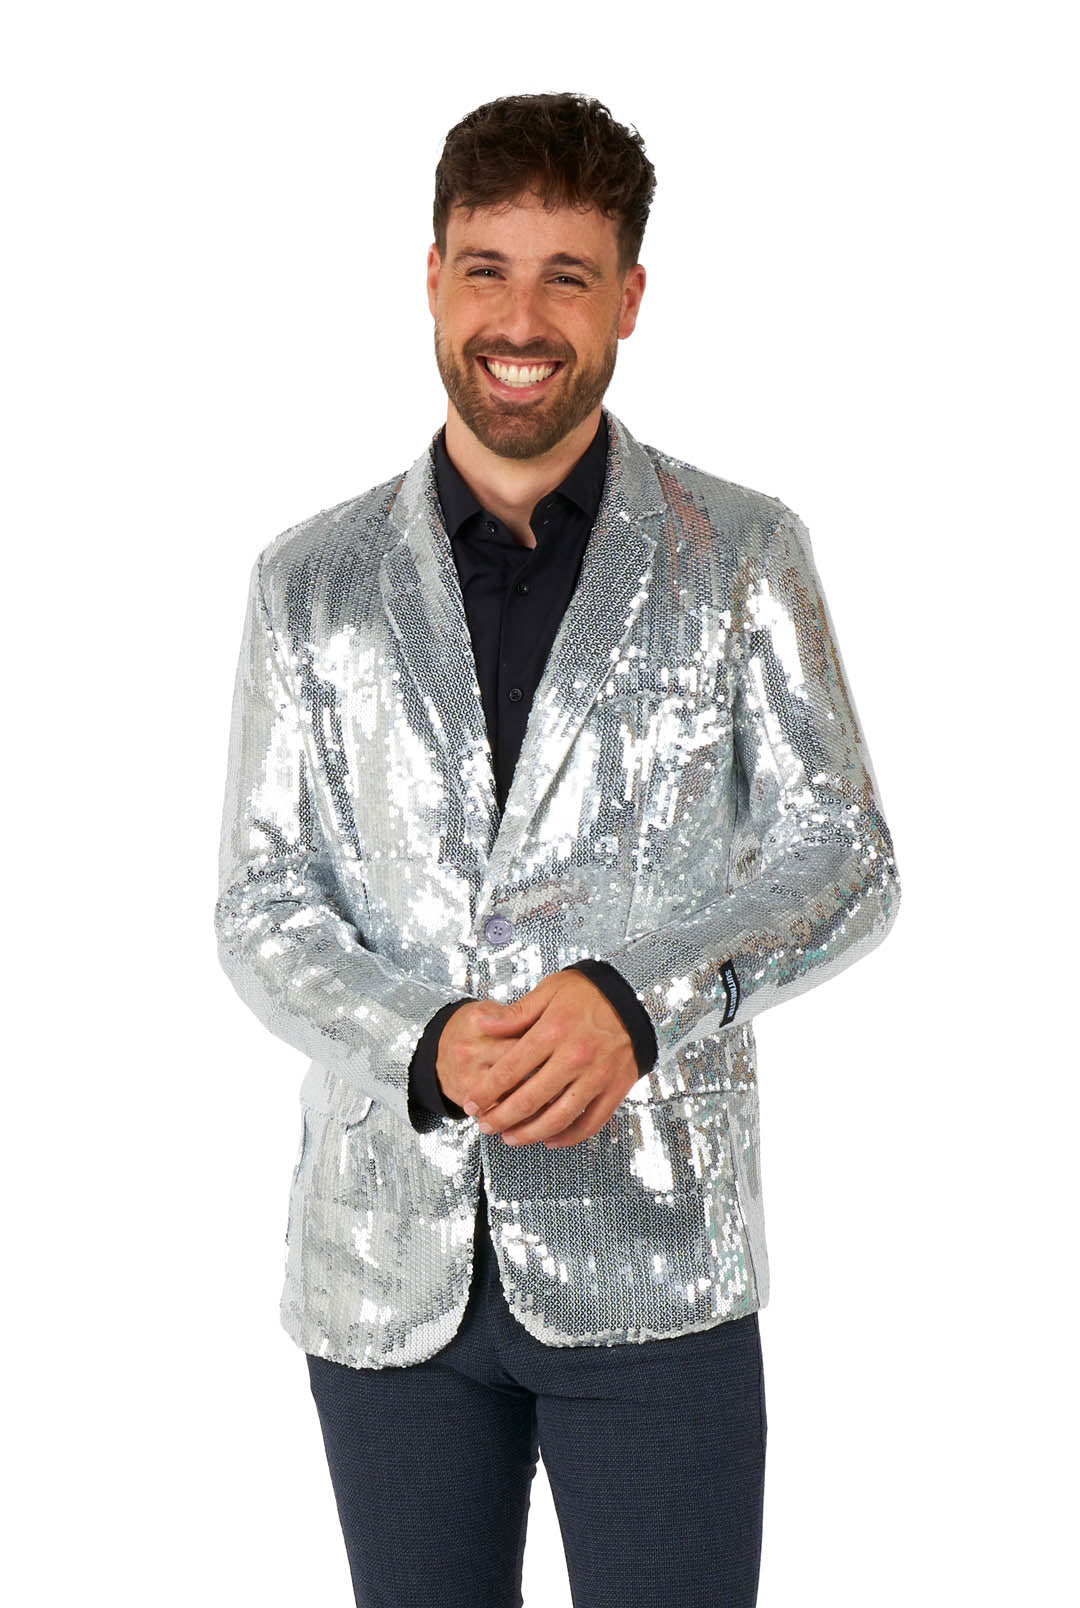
(633, 290)
(434, 265)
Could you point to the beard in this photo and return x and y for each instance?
(523, 429)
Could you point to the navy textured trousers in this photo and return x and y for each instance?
(655, 1453)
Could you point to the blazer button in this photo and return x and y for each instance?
(498, 931)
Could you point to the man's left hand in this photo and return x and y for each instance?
(568, 1063)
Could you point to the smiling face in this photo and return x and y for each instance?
(539, 290)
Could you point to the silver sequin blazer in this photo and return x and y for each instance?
(693, 787)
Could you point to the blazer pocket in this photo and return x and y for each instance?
(324, 1092)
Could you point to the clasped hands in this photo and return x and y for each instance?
(552, 1065)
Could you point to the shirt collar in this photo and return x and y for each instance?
(584, 485)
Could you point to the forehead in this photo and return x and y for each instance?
(527, 231)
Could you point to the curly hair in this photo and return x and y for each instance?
(567, 149)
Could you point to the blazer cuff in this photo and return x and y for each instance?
(635, 1017)
(424, 1089)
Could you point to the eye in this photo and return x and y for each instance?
(570, 278)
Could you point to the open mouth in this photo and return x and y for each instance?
(518, 379)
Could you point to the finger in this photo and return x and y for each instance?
(511, 1075)
(526, 1099)
(594, 1117)
(501, 1019)
(517, 1052)
(527, 1008)
(552, 1119)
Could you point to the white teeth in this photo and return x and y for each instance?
(512, 374)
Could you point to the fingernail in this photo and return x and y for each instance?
(509, 1138)
(485, 1127)
(471, 1107)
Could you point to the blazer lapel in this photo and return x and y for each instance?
(422, 596)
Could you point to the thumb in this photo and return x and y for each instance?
(513, 1016)
(498, 1016)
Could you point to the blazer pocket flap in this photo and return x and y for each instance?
(722, 1061)
(323, 1091)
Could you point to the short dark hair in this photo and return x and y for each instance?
(567, 149)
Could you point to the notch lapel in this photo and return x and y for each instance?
(421, 593)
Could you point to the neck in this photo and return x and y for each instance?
(510, 488)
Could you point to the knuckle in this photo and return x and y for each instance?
(505, 1089)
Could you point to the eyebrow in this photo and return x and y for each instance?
(558, 259)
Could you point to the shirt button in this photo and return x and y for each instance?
(515, 695)
(498, 930)
(489, 524)
(521, 586)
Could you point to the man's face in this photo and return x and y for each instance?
(501, 293)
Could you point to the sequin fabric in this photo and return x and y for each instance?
(693, 788)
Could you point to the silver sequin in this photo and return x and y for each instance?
(693, 787)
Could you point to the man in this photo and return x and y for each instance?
(544, 779)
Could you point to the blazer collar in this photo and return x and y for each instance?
(421, 593)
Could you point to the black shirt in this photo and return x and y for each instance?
(515, 598)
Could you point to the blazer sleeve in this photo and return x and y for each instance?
(812, 882)
(283, 938)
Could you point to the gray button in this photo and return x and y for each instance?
(498, 930)
(515, 695)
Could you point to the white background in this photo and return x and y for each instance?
(860, 299)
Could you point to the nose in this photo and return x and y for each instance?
(522, 322)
